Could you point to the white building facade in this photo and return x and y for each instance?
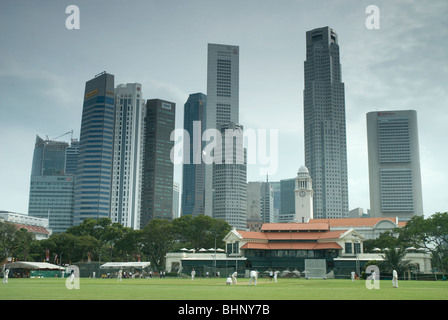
(127, 155)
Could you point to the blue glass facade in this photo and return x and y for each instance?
(93, 183)
(193, 178)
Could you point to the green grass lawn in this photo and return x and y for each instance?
(215, 289)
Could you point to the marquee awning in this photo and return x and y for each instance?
(33, 265)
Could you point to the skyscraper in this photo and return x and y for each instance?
(128, 155)
(230, 178)
(93, 182)
(51, 190)
(222, 100)
(193, 174)
(394, 164)
(157, 184)
(324, 122)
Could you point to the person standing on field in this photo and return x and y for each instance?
(395, 279)
(253, 277)
(234, 277)
(193, 273)
(5, 276)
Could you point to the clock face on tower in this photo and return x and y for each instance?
(302, 193)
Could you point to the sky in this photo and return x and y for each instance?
(163, 46)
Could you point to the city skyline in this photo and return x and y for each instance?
(44, 70)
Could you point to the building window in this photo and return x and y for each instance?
(348, 247)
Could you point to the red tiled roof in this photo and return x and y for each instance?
(291, 246)
(321, 225)
(252, 235)
(32, 228)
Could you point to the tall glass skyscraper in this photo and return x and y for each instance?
(157, 184)
(394, 164)
(93, 182)
(324, 122)
(193, 173)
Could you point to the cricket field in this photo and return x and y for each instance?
(216, 289)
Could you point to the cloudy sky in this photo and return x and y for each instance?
(163, 45)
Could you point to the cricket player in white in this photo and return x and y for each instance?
(193, 273)
(253, 277)
(120, 275)
(234, 277)
(5, 276)
(228, 281)
(353, 275)
(395, 279)
(275, 275)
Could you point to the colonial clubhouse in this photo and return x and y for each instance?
(335, 243)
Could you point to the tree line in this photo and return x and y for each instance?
(101, 240)
(104, 241)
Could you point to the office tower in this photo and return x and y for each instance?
(176, 194)
(93, 181)
(128, 155)
(157, 183)
(222, 99)
(303, 196)
(394, 164)
(52, 197)
(71, 157)
(193, 173)
(51, 191)
(277, 200)
(48, 157)
(324, 122)
(287, 200)
(260, 204)
(230, 177)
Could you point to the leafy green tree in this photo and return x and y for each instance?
(200, 232)
(157, 239)
(430, 234)
(13, 242)
(385, 240)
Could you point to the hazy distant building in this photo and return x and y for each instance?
(230, 178)
(222, 100)
(176, 196)
(48, 157)
(157, 184)
(193, 168)
(128, 155)
(71, 157)
(260, 204)
(52, 198)
(51, 193)
(287, 199)
(394, 164)
(324, 121)
(93, 181)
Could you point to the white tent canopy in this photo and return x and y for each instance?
(124, 265)
(33, 265)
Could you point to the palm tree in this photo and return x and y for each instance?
(394, 259)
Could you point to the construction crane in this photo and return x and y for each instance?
(71, 136)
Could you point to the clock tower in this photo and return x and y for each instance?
(303, 196)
